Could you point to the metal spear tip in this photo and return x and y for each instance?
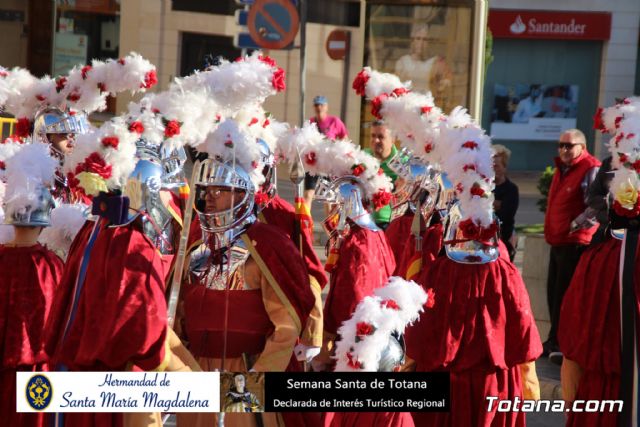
(296, 174)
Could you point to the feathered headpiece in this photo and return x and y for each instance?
(624, 147)
(29, 173)
(455, 143)
(102, 159)
(364, 337)
(321, 156)
(66, 221)
(85, 88)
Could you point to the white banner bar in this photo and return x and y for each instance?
(118, 391)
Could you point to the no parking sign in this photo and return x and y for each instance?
(273, 24)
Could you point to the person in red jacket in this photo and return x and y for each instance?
(568, 224)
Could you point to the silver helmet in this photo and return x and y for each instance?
(214, 178)
(393, 355)
(420, 182)
(345, 195)
(267, 159)
(53, 120)
(37, 214)
(463, 250)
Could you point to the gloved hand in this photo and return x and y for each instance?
(305, 353)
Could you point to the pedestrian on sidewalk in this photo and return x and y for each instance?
(568, 225)
(506, 200)
(331, 127)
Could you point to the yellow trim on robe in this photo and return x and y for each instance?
(312, 334)
(175, 215)
(272, 281)
(414, 268)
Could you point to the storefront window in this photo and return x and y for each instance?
(429, 44)
(85, 30)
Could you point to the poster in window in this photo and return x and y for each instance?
(537, 112)
(428, 45)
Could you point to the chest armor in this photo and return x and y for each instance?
(222, 270)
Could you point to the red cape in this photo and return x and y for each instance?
(122, 314)
(402, 242)
(29, 278)
(365, 263)
(282, 214)
(480, 329)
(287, 267)
(589, 331)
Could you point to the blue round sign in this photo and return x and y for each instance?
(273, 24)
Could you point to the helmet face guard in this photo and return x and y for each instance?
(463, 250)
(346, 194)
(214, 178)
(51, 120)
(267, 159)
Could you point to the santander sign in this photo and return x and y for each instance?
(550, 25)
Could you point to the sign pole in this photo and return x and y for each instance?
(345, 78)
(477, 59)
(303, 58)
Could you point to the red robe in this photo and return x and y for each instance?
(402, 242)
(365, 262)
(121, 320)
(480, 329)
(280, 213)
(27, 284)
(590, 328)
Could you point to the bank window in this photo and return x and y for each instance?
(85, 30)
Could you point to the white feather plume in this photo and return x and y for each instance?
(29, 171)
(66, 221)
(391, 309)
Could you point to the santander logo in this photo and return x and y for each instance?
(518, 26)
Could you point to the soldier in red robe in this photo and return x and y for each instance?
(298, 226)
(30, 276)
(360, 259)
(247, 297)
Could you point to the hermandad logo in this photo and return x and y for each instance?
(518, 26)
(39, 392)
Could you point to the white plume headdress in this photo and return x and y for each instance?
(364, 337)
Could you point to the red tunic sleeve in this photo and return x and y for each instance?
(122, 315)
(28, 281)
(365, 263)
(482, 318)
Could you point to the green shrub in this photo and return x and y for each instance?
(544, 183)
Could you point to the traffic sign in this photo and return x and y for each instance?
(241, 17)
(273, 24)
(337, 44)
(244, 41)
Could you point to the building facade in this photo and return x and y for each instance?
(553, 74)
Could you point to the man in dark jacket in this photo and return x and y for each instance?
(569, 224)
